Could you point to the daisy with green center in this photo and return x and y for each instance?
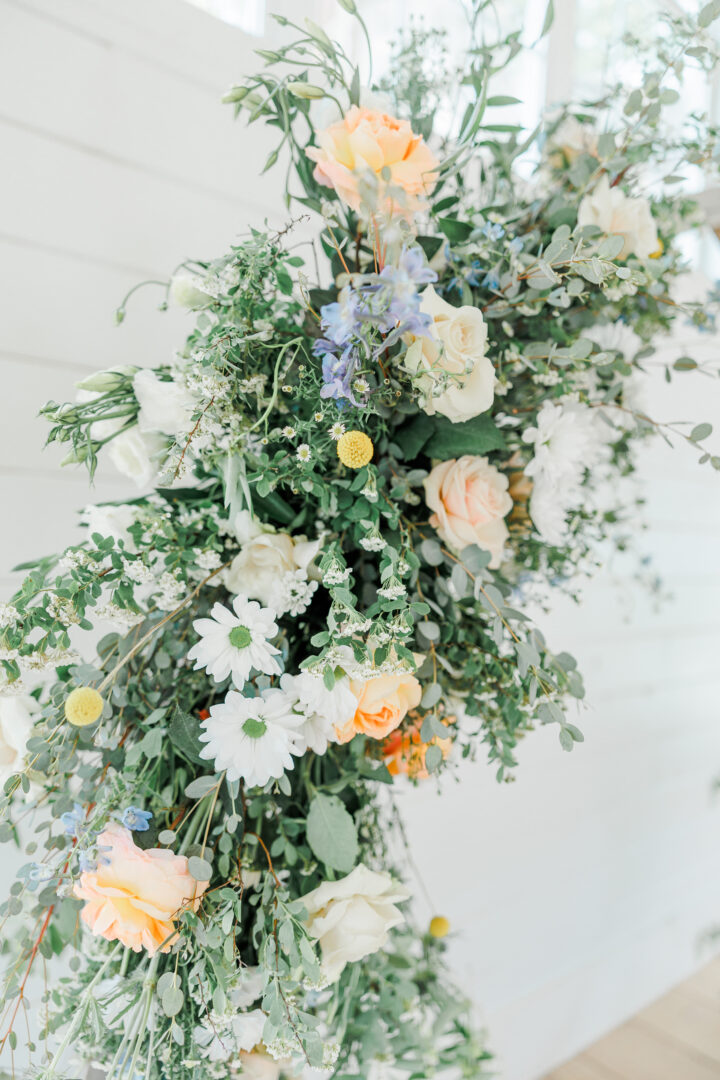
(253, 739)
(236, 642)
(304, 452)
(336, 431)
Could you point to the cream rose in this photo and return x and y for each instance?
(264, 558)
(454, 356)
(618, 214)
(367, 140)
(16, 723)
(470, 499)
(350, 918)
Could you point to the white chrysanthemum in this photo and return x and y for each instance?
(321, 709)
(236, 642)
(253, 739)
(615, 337)
(569, 438)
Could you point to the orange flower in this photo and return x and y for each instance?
(404, 751)
(383, 702)
(135, 896)
(370, 140)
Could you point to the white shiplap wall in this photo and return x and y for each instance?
(580, 891)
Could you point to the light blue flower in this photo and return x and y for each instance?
(135, 819)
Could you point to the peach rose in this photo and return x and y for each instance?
(404, 751)
(135, 896)
(470, 499)
(370, 140)
(383, 702)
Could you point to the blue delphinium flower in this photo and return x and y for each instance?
(369, 316)
(493, 231)
(73, 820)
(516, 245)
(135, 819)
(86, 862)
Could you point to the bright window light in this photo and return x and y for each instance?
(247, 15)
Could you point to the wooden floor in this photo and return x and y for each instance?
(676, 1038)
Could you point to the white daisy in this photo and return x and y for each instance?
(322, 709)
(252, 738)
(236, 643)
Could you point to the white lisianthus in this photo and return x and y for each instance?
(351, 917)
(618, 214)
(569, 438)
(452, 372)
(16, 723)
(254, 739)
(165, 404)
(112, 520)
(187, 291)
(236, 642)
(250, 983)
(134, 454)
(265, 558)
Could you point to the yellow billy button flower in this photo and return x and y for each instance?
(439, 926)
(658, 250)
(83, 706)
(355, 449)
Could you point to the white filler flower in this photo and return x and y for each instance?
(252, 738)
(322, 710)
(236, 642)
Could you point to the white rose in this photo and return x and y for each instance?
(618, 214)
(454, 356)
(263, 560)
(186, 290)
(351, 917)
(131, 453)
(112, 521)
(16, 722)
(165, 405)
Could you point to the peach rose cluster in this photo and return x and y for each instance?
(404, 751)
(382, 704)
(136, 896)
(368, 140)
(470, 499)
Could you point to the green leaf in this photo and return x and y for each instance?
(172, 1001)
(455, 230)
(433, 757)
(700, 432)
(197, 788)
(331, 833)
(476, 436)
(709, 13)
(184, 734)
(200, 869)
(549, 18)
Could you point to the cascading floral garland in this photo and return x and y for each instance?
(358, 482)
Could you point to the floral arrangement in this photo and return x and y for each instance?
(364, 464)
